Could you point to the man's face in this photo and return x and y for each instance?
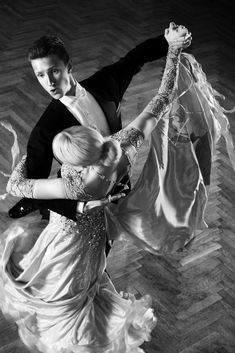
(53, 75)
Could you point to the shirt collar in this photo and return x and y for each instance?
(79, 93)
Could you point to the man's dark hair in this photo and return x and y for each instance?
(48, 45)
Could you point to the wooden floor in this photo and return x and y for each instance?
(193, 291)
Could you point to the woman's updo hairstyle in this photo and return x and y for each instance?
(84, 146)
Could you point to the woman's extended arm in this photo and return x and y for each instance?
(19, 185)
(147, 120)
(153, 112)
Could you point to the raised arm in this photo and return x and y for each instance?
(132, 136)
(118, 75)
(147, 120)
(153, 112)
(123, 70)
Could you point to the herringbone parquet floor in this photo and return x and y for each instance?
(193, 291)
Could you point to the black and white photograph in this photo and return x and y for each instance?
(117, 176)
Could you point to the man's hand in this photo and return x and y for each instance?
(93, 206)
(178, 36)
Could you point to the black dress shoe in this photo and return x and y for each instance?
(22, 208)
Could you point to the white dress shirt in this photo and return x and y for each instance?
(86, 110)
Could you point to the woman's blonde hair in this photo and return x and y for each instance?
(84, 146)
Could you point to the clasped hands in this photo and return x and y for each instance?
(178, 36)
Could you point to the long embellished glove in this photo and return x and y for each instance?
(131, 136)
(18, 184)
(131, 141)
(160, 102)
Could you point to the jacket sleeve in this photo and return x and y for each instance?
(67, 208)
(39, 153)
(123, 70)
(39, 162)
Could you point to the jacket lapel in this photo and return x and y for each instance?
(110, 111)
(109, 108)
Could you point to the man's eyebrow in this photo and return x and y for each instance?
(50, 68)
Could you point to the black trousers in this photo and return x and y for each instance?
(203, 153)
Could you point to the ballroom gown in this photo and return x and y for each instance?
(54, 286)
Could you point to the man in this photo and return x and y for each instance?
(76, 103)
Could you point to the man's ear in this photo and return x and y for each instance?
(70, 67)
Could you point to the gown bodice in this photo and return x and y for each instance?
(106, 178)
